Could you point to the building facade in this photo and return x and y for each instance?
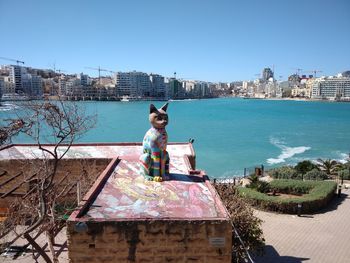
(267, 73)
(157, 86)
(16, 73)
(175, 89)
(331, 88)
(134, 84)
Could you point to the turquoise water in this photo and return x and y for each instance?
(231, 134)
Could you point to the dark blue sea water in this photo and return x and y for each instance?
(231, 134)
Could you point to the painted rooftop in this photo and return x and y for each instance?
(126, 195)
(121, 193)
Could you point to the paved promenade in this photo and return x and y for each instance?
(319, 238)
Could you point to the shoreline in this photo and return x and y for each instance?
(292, 99)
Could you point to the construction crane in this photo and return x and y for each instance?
(99, 69)
(314, 71)
(14, 60)
(298, 70)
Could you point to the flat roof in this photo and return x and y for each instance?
(128, 196)
(122, 194)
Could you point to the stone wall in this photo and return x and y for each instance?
(150, 241)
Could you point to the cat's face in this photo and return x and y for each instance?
(158, 117)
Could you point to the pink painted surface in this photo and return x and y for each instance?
(127, 195)
(103, 150)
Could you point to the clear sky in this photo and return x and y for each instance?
(222, 40)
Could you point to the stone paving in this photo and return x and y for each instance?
(321, 238)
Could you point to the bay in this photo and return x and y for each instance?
(230, 133)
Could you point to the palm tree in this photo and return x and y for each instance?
(328, 166)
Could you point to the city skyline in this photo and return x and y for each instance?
(197, 39)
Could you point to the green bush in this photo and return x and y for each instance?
(344, 173)
(296, 187)
(316, 195)
(260, 186)
(283, 172)
(315, 174)
(304, 167)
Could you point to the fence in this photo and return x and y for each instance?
(258, 170)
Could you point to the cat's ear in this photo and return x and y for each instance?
(165, 106)
(152, 108)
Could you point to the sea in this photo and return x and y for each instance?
(230, 134)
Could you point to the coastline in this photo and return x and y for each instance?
(293, 99)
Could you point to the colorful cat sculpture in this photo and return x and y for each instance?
(155, 158)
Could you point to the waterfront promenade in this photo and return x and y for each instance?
(319, 238)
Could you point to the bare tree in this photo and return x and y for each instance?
(54, 126)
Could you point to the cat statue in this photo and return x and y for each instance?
(155, 158)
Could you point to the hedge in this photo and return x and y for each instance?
(316, 195)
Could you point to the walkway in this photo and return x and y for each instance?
(322, 237)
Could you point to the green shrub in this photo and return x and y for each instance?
(304, 167)
(316, 195)
(296, 187)
(263, 187)
(283, 172)
(258, 185)
(315, 174)
(344, 174)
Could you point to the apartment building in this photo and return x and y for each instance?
(133, 84)
(333, 88)
(157, 86)
(16, 73)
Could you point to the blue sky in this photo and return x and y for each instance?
(199, 39)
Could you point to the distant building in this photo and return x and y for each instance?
(189, 86)
(5, 70)
(175, 89)
(331, 88)
(16, 73)
(346, 74)
(62, 91)
(133, 84)
(6, 85)
(267, 73)
(141, 83)
(294, 79)
(245, 85)
(51, 87)
(84, 79)
(157, 86)
(123, 84)
(73, 87)
(26, 84)
(271, 89)
(301, 92)
(36, 86)
(205, 91)
(105, 81)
